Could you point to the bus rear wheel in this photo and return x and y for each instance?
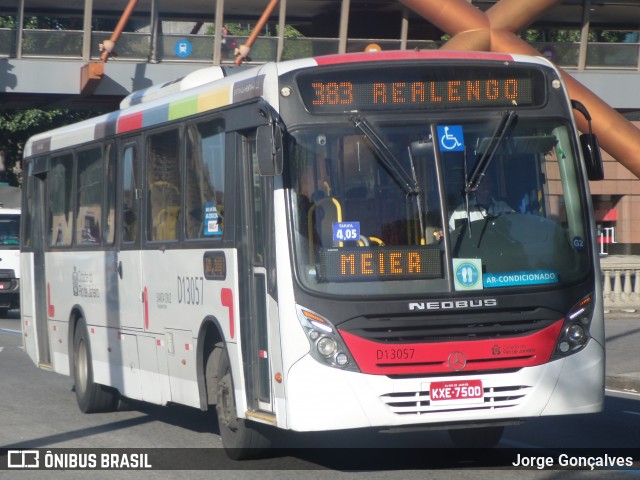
(241, 439)
(485, 437)
(91, 397)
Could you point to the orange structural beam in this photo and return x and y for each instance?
(493, 30)
(120, 27)
(91, 73)
(244, 49)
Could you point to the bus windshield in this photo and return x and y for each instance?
(386, 208)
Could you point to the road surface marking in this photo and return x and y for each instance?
(12, 332)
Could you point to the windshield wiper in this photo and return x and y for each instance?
(473, 180)
(388, 158)
(477, 174)
(408, 182)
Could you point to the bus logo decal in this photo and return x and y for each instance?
(248, 89)
(457, 361)
(83, 284)
(453, 304)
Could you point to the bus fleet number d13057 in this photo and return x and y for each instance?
(191, 290)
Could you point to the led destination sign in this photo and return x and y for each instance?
(433, 88)
(387, 263)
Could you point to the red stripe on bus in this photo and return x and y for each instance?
(145, 298)
(410, 55)
(127, 123)
(429, 358)
(51, 310)
(226, 298)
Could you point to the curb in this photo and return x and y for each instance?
(628, 382)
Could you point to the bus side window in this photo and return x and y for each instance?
(130, 196)
(60, 202)
(204, 195)
(163, 183)
(108, 225)
(90, 176)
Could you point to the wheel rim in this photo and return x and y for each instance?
(81, 367)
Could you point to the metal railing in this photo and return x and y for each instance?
(137, 47)
(45, 43)
(7, 42)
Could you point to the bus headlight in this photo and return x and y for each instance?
(575, 331)
(326, 344)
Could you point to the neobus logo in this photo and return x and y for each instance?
(454, 304)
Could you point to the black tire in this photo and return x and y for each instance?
(241, 439)
(484, 437)
(91, 396)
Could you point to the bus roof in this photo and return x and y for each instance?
(208, 89)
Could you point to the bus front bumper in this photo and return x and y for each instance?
(324, 398)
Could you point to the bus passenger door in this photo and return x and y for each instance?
(129, 264)
(255, 283)
(34, 305)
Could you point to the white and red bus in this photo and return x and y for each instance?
(281, 242)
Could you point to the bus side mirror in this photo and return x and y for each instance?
(589, 145)
(269, 149)
(592, 156)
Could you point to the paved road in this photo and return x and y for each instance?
(44, 415)
(623, 342)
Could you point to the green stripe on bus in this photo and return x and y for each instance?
(183, 108)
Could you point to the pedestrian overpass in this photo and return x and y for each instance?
(45, 44)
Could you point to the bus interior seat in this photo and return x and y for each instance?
(359, 208)
(322, 214)
(166, 223)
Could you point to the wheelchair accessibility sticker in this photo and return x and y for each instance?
(467, 273)
(451, 138)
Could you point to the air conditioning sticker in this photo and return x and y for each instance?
(511, 279)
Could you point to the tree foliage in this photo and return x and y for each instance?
(17, 126)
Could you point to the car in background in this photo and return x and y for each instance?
(9, 259)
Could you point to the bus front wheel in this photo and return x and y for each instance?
(241, 439)
(91, 396)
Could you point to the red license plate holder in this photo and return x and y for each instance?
(456, 392)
